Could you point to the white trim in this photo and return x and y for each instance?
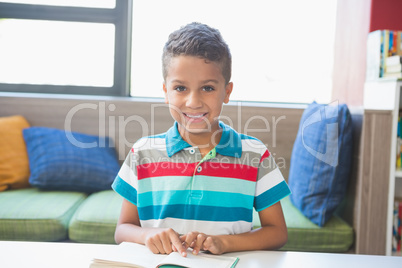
(252, 145)
(131, 179)
(208, 227)
(270, 180)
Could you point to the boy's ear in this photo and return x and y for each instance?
(228, 89)
(166, 96)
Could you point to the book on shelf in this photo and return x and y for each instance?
(392, 74)
(135, 255)
(399, 142)
(397, 68)
(381, 46)
(397, 212)
(394, 60)
(393, 66)
(397, 228)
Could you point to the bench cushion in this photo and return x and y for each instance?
(95, 220)
(303, 235)
(35, 215)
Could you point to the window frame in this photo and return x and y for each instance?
(120, 16)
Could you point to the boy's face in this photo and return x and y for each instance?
(195, 91)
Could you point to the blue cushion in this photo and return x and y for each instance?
(70, 161)
(321, 160)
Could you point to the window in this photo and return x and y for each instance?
(282, 50)
(71, 3)
(58, 46)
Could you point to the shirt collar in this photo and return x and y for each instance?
(229, 145)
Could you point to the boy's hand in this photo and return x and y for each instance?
(200, 241)
(164, 241)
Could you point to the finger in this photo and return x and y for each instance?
(183, 238)
(166, 243)
(176, 242)
(193, 244)
(191, 239)
(153, 248)
(199, 242)
(159, 246)
(183, 241)
(208, 243)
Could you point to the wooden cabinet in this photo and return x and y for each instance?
(379, 180)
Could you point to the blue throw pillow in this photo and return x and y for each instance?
(321, 160)
(70, 161)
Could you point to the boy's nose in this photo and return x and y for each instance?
(193, 100)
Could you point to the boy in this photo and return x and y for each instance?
(195, 185)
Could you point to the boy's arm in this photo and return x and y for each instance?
(158, 240)
(272, 235)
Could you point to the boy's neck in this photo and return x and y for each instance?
(204, 141)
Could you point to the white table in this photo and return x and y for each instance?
(75, 255)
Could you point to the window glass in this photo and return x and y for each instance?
(56, 52)
(282, 50)
(75, 3)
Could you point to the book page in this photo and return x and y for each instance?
(128, 255)
(201, 260)
(136, 255)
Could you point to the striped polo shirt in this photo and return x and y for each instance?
(173, 186)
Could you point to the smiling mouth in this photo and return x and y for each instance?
(195, 116)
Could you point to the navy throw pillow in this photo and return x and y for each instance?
(70, 161)
(321, 159)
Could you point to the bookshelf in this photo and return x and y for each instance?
(398, 173)
(384, 96)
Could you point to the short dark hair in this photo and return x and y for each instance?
(199, 40)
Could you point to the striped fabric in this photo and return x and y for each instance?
(172, 186)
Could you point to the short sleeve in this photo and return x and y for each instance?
(271, 187)
(126, 182)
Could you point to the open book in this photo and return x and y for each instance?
(135, 255)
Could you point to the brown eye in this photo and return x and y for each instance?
(180, 88)
(208, 89)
